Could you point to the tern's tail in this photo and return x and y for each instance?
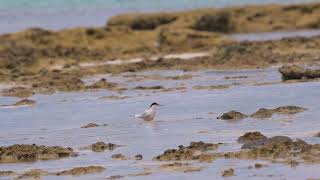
(135, 116)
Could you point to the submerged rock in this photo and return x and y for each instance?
(293, 72)
(34, 173)
(119, 157)
(267, 113)
(212, 87)
(140, 174)
(263, 113)
(251, 136)
(149, 88)
(25, 102)
(180, 167)
(82, 171)
(115, 177)
(101, 146)
(289, 109)
(114, 97)
(138, 157)
(233, 115)
(90, 125)
(7, 173)
(192, 152)
(228, 172)
(258, 165)
(20, 92)
(24, 152)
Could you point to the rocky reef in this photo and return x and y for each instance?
(40, 60)
(81, 171)
(191, 152)
(263, 113)
(294, 72)
(24, 153)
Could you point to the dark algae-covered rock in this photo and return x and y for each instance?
(287, 110)
(78, 171)
(216, 22)
(180, 167)
(149, 88)
(24, 152)
(294, 72)
(119, 157)
(251, 136)
(228, 172)
(25, 102)
(233, 115)
(192, 152)
(138, 157)
(277, 147)
(143, 22)
(277, 140)
(33, 174)
(263, 113)
(90, 125)
(101, 146)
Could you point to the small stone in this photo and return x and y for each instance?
(228, 172)
(119, 157)
(233, 115)
(138, 157)
(90, 125)
(101, 146)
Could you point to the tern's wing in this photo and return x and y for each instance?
(143, 115)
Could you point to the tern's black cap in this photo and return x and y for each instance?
(156, 104)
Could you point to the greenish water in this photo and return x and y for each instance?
(16, 15)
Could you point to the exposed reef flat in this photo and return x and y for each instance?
(40, 60)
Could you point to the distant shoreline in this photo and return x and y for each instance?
(19, 19)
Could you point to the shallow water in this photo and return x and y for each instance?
(16, 15)
(56, 120)
(277, 35)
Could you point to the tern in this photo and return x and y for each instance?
(149, 114)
